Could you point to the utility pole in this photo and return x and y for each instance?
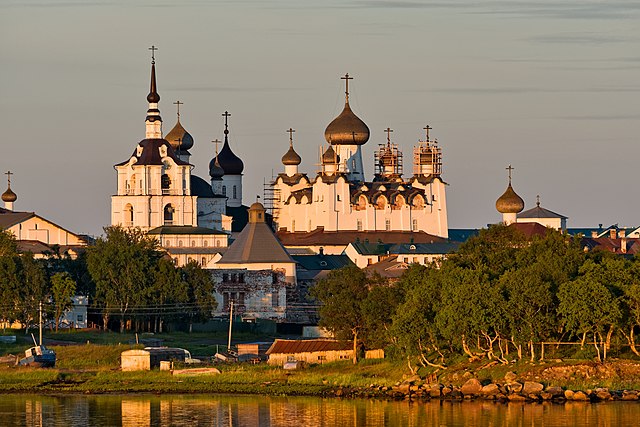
(230, 327)
(40, 323)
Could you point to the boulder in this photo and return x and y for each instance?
(545, 395)
(446, 390)
(555, 390)
(568, 394)
(603, 394)
(510, 376)
(629, 395)
(531, 387)
(580, 396)
(435, 390)
(515, 387)
(516, 398)
(471, 387)
(490, 389)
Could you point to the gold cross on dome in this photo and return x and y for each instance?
(346, 78)
(509, 169)
(178, 103)
(216, 141)
(9, 173)
(290, 132)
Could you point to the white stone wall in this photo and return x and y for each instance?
(37, 228)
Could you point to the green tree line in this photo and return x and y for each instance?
(498, 297)
(128, 278)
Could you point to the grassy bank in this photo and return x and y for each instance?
(93, 367)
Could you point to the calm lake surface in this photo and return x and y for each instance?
(258, 411)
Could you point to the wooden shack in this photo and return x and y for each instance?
(309, 351)
(149, 358)
(253, 351)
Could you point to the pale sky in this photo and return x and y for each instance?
(550, 87)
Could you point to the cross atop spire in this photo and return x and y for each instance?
(290, 132)
(538, 200)
(153, 53)
(226, 116)
(9, 173)
(178, 104)
(388, 131)
(509, 169)
(346, 79)
(427, 128)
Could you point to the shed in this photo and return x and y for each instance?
(253, 350)
(149, 358)
(309, 351)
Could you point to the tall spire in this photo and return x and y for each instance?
(153, 120)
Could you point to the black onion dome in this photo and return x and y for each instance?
(153, 91)
(230, 163)
(509, 202)
(215, 170)
(179, 138)
(291, 157)
(347, 129)
(9, 196)
(200, 187)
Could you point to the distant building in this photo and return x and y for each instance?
(256, 273)
(36, 234)
(314, 351)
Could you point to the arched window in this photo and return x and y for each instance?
(179, 243)
(418, 201)
(204, 261)
(217, 243)
(168, 214)
(193, 243)
(205, 244)
(133, 183)
(381, 202)
(362, 202)
(235, 193)
(399, 201)
(359, 225)
(128, 215)
(224, 190)
(165, 182)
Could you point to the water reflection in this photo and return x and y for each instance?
(258, 411)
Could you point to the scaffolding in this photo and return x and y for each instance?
(271, 198)
(388, 160)
(427, 158)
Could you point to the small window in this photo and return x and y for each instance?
(79, 318)
(179, 243)
(205, 244)
(359, 225)
(225, 277)
(275, 298)
(203, 261)
(235, 193)
(224, 190)
(193, 243)
(414, 224)
(241, 278)
(274, 278)
(387, 224)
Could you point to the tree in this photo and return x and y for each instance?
(167, 293)
(63, 289)
(122, 266)
(342, 294)
(31, 291)
(589, 303)
(9, 280)
(200, 292)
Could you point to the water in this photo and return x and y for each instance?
(259, 411)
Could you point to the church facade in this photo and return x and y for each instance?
(339, 198)
(157, 192)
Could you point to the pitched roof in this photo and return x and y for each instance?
(150, 154)
(256, 243)
(389, 268)
(530, 229)
(10, 218)
(462, 234)
(540, 212)
(437, 248)
(307, 346)
(322, 262)
(321, 237)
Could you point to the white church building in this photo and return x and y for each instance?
(339, 198)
